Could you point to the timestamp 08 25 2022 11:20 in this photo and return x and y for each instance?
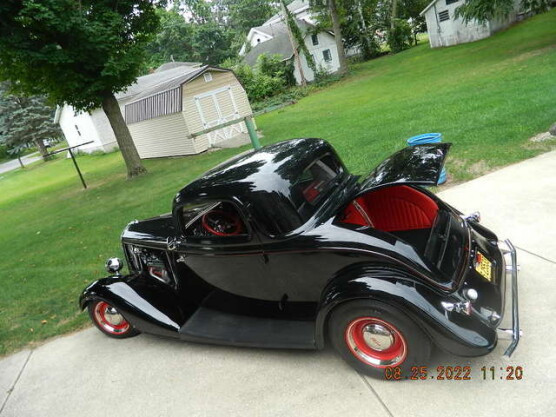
(455, 373)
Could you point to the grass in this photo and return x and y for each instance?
(487, 98)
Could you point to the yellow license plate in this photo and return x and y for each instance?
(483, 266)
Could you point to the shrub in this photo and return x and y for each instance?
(400, 36)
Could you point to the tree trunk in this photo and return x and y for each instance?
(20, 161)
(338, 36)
(394, 14)
(125, 142)
(42, 148)
(294, 46)
(365, 41)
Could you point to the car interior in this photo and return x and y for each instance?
(400, 210)
(218, 220)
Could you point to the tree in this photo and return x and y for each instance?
(78, 52)
(180, 40)
(337, 28)
(484, 10)
(25, 120)
(211, 43)
(173, 40)
(359, 20)
(245, 14)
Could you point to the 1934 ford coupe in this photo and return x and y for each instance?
(283, 248)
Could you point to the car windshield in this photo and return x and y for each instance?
(192, 213)
(314, 183)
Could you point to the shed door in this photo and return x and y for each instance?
(217, 107)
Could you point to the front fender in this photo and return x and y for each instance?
(454, 332)
(150, 307)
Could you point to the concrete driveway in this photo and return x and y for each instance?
(88, 374)
(14, 163)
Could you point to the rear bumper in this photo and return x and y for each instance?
(511, 269)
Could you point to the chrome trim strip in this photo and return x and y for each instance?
(516, 333)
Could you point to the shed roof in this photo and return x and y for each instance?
(428, 7)
(159, 82)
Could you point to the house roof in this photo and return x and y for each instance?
(272, 29)
(428, 7)
(175, 64)
(292, 7)
(279, 44)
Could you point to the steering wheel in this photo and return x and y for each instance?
(221, 223)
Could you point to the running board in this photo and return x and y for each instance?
(212, 326)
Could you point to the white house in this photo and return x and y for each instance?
(445, 29)
(272, 38)
(164, 110)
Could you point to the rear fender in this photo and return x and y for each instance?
(150, 307)
(453, 332)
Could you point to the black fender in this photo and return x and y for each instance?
(149, 306)
(453, 332)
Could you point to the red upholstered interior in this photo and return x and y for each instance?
(393, 209)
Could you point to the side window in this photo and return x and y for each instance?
(220, 221)
(315, 39)
(314, 183)
(327, 55)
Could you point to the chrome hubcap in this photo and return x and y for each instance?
(375, 342)
(377, 337)
(113, 317)
(110, 319)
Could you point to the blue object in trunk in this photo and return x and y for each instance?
(429, 138)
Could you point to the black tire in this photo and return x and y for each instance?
(359, 329)
(101, 312)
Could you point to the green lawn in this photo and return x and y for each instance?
(487, 98)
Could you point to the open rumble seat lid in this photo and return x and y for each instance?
(418, 165)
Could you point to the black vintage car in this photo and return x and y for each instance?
(283, 248)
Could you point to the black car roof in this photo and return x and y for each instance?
(268, 170)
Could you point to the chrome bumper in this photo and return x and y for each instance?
(515, 331)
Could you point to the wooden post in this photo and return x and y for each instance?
(252, 132)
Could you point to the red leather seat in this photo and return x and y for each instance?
(393, 209)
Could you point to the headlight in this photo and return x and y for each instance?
(114, 265)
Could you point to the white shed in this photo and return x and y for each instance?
(163, 109)
(445, 29)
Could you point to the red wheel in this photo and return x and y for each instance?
(375, 342)
(372, 336)
(222, 223)
(110, 321)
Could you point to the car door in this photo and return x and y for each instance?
(232, 262)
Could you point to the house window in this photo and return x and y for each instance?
(327, 55)
(78, 132)
(451, 1)
(207, 76)
(444, 15)
(315, 39)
